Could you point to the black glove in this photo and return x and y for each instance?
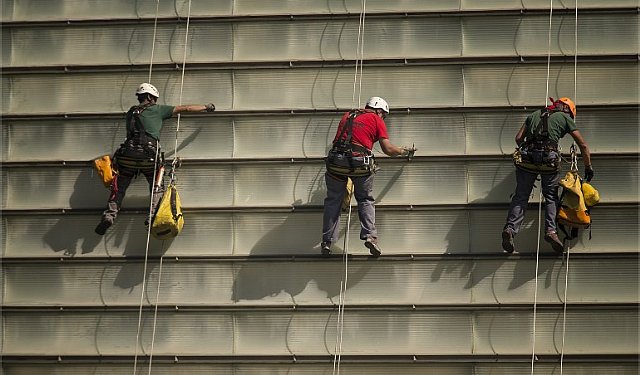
(209, 107)
(588, 173)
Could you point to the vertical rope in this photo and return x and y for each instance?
(574, 165)
(345, 256)
(535, 295)
(175, 156)
(153, 45)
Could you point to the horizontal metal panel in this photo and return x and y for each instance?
(260, 233)
(297, 368)
(314, 333)
(285, 184)
(300, 136)
(317, 282)
(416, 37)
(47, 10)
(327, 88)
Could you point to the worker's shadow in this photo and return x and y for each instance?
(73, 232)
(476, 270)
(260, 280)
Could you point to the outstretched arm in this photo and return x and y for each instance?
(193, 108)
(393, 150)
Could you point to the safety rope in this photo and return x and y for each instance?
(535, 294)
(174, 163)
(573, 167)
(357, 82)
(153, 45)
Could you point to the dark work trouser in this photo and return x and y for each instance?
(363, 192)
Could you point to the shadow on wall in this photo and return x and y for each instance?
(258, 281)
(69, 232)
(473, 269)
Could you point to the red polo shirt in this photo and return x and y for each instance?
(368, 128)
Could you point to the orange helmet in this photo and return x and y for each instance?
(569, 102)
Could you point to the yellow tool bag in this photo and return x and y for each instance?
(168, 221)
(105, 170)
(346, 200)
(573, 211)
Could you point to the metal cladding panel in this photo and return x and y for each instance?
(282, 185)
(528, 35)
(305, 282)
(329, 88)
(298, 136)
(314, 332)
(260, 233)
(48, 10)
(293, 40)
(598, 83)
(161, 368)
(99, 45)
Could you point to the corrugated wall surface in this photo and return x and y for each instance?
(242, 290)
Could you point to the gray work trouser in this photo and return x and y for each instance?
(525, 181)
(363, 191)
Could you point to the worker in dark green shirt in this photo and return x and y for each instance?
(538, 152)
(140, 152)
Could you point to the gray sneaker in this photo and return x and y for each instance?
(102, 227)
(325, 248)
(372, 245)
(556, 244)
(507, 241)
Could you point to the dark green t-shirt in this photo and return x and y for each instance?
(559, 125)
(151, 118)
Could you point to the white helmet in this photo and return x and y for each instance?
(147, 88)
(378, 102)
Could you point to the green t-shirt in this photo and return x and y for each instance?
(559, 125)
(151, 118)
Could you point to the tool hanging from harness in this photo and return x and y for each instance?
(539, 154)
(168, 220)
(349, 159)
(140, 148)
(575, 201)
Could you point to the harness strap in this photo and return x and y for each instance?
(346, 144)
(136, 126)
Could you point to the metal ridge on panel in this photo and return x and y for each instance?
(313, 16)
(313, 160)
(303, 112)
(306, 208)
(315, 257)
(300, 359)
(510, 307)
(199, 66)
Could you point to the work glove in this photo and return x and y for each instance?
(408, 152)
(209, 107)
(588, 173)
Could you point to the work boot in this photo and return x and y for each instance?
(556, 244)
(372, 245)
(507, 241)
(101, 229)
(325, 248)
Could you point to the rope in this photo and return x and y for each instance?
(535, 294)
(357, 80)
(172, 180)
(153, 45)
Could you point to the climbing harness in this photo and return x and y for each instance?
(347, 158)
(539, 154)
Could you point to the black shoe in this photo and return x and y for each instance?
(325, 248)
(507, 241)
(555, 242)
(101, 229)
(373, 247)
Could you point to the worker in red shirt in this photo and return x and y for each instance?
(351, 157)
